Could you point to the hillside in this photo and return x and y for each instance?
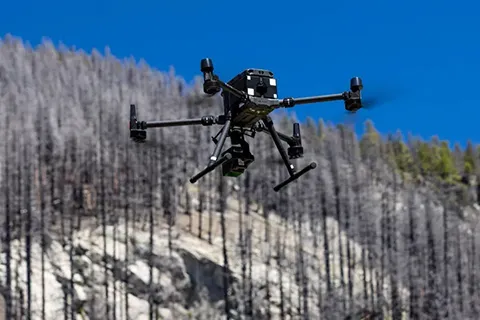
(98, 227)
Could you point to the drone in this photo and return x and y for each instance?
(248, 100)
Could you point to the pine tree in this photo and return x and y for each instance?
(445, 166)
(403, 156)
(425, 158)
(469, 160)
(370, 140)
(457, 154)
(321, 129)
(430, 307)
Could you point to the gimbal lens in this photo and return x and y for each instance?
(261, 88)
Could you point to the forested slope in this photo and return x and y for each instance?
(382, 228)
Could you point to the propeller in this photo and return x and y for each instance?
(372, 99)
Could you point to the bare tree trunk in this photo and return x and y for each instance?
(7, 294)
(201, 205)
(70, 207)
(393, 254)
(446, 259)
(267, 241)
(459, 272)
(127, 167)
(250, 272)
(280, 264)
(17, 179)
(210, 196)
(151, 302)
(474, 280)
(41, 188)
(430, 304)
(226, 269)
(326, 245)
(340, 242)
(28, 226)
(413, 261)
(103, 210)
(350, 259)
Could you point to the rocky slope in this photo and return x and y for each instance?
(186, 282)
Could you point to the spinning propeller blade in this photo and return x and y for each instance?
(371, 100)
(380, 96)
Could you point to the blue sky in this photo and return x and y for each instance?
(421, 57)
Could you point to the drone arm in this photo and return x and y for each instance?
(276, 139)
(211, 167)
(138, 128)
(291, 141)
(294, 175)
(204, 121)
(291, 102)
(212, 84)
(294, 142)
(142, 125)
(351, 98)
(221, 141)
(226, 87)
(215, 159)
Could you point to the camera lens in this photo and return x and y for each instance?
(262, 88)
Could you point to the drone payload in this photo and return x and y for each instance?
(248, 100)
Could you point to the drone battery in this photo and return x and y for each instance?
(256, 83)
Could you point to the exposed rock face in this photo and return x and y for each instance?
(95, 260)
(187, 281)
(3, 310)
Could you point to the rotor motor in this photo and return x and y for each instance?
(353, 101)
(356, 84)
(210, 87)
(295, 150)
(137, 132)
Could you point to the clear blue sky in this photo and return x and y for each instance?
(429, 50)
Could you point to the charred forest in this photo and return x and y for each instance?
(386, 227)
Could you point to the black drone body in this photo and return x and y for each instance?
(248, 100)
